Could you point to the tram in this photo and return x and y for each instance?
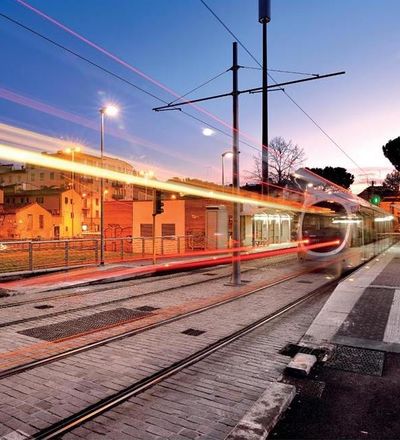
(354, 229)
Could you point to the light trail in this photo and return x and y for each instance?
(136, 70)
(14, 154)
(35, 348)
(79, 120)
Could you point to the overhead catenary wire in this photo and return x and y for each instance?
(200, 86)
(109, 72)
(292, 72)
(284, 91)
(124, 63)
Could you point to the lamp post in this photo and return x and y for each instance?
(147, 175)
(223, 155)
(72, 152)
(109, 110)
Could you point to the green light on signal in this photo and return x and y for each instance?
(375, 200)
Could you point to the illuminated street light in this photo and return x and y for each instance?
(109, 110)
(72, 151)
(207, 132)
(149, 174)
(223, 155)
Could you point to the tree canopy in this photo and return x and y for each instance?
(283, 159)
(337, 175)
(392, 182)
(392, 151)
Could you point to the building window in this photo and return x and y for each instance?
(85, 203)
(41, 221)
(39, 199)
(32, 177)
(97, 202)
(51, 176)
(29, 225)
(66, 200)
(167, 229)
(97, 214)
(41, 176)
(146, 230)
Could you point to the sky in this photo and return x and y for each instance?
(177, 45)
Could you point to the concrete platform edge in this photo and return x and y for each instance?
(261, 418)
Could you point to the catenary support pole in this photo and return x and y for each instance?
(264, 16)
(235, 168)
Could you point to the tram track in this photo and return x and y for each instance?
(104, 341)
(61, 427)
(113, 301)
(47, 360)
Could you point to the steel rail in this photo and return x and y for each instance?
(113, 301)
(44, 361)
(69, 423)
(130, 282)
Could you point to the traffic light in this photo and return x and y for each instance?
(158, 204)
(375, 199)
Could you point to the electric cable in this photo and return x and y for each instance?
(284, 91)
(109, 72)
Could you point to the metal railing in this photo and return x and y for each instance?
(33, 255)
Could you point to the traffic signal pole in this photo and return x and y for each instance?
(158, 208)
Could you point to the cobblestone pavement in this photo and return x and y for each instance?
(206, 400)
(169, 297)
(41, 396)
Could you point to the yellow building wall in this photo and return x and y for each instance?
(174, 213)
(28, 223)
(71, 214)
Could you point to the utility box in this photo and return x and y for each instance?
(216, 227)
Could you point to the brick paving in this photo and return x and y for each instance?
(206, 400)
(16, 348)
(71, 384)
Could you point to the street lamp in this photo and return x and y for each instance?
(109, 110)
(147, 175)
(72, 152)
(223, 155)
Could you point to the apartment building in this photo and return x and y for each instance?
(65, 207)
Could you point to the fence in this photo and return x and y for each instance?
(17, 256)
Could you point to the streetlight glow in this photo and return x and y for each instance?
(207, 132)
(110, 110)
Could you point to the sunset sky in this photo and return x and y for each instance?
(179, 44)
